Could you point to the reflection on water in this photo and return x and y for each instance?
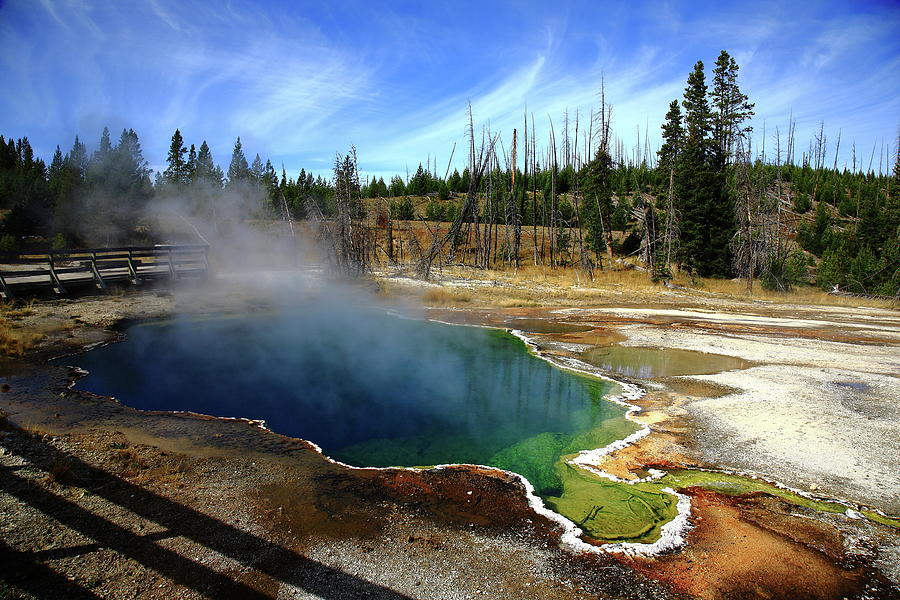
(646, 363)
(371, 389)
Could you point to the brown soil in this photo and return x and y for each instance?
(733, 553)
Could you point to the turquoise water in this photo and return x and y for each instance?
(370, 388)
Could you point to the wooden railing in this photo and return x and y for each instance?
(31, 269)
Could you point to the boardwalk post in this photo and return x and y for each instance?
(4, 290)
(172, 273)
(132, 271)
(98, 281)
(54, 278)
(206, 261)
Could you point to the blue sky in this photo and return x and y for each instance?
(299, 81)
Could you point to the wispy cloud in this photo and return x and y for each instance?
(298, 83)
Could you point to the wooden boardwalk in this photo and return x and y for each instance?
(32, 270)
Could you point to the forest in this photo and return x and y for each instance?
(704, 204)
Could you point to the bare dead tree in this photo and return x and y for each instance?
(347, 240)
(534, 197)
(756, 245)
(554, 167)
(513, 217)
(837, 151)
(792, 126)
(478, 162)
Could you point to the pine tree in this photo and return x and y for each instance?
(105, 147)
(418, 185)
(130, 177)
(398, 188)
(669, 154)
(77, 157)
(178, 170)
(238, 169)
(257, 171)
(896, 186)
(455, 182)
(191, 163)
(100, 165)
(205, 171)
(597, 207)
(673, 135)
(706, 221)
(56, 166)
(731, 105)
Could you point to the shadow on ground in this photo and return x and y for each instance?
(27, 572)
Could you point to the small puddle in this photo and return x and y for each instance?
(648, 363)
(853, 385)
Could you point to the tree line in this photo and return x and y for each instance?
(703, 204)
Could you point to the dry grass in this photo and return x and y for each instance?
(20, 333)
(18, 339)
(446, 297)
(60, 472)
(170, 473)
(30, 429)
(16, 310)
(130, 462)
(536, 285)
(801, 295)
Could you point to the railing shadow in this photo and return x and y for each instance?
(251, 551)
(21, 570)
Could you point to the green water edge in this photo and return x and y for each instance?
(613, 511)
(608, 511)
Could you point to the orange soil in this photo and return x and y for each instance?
(729, 556)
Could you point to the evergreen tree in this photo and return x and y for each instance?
(205, 171)
(257, 171)
(78, 158)
(597, 207)
(673, 134)
(100, 165)
(455, 182)
(56, 168)
(814, 239)
(402, 209)
(398, 188)
(669, 155)
(178, 169)
(129, 157)
(732, 107)
(191, 163)
(105, 147)
(419, 184)
(706, 219)
(238, 169)
(270, 184)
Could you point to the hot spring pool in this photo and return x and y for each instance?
(374, 389)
